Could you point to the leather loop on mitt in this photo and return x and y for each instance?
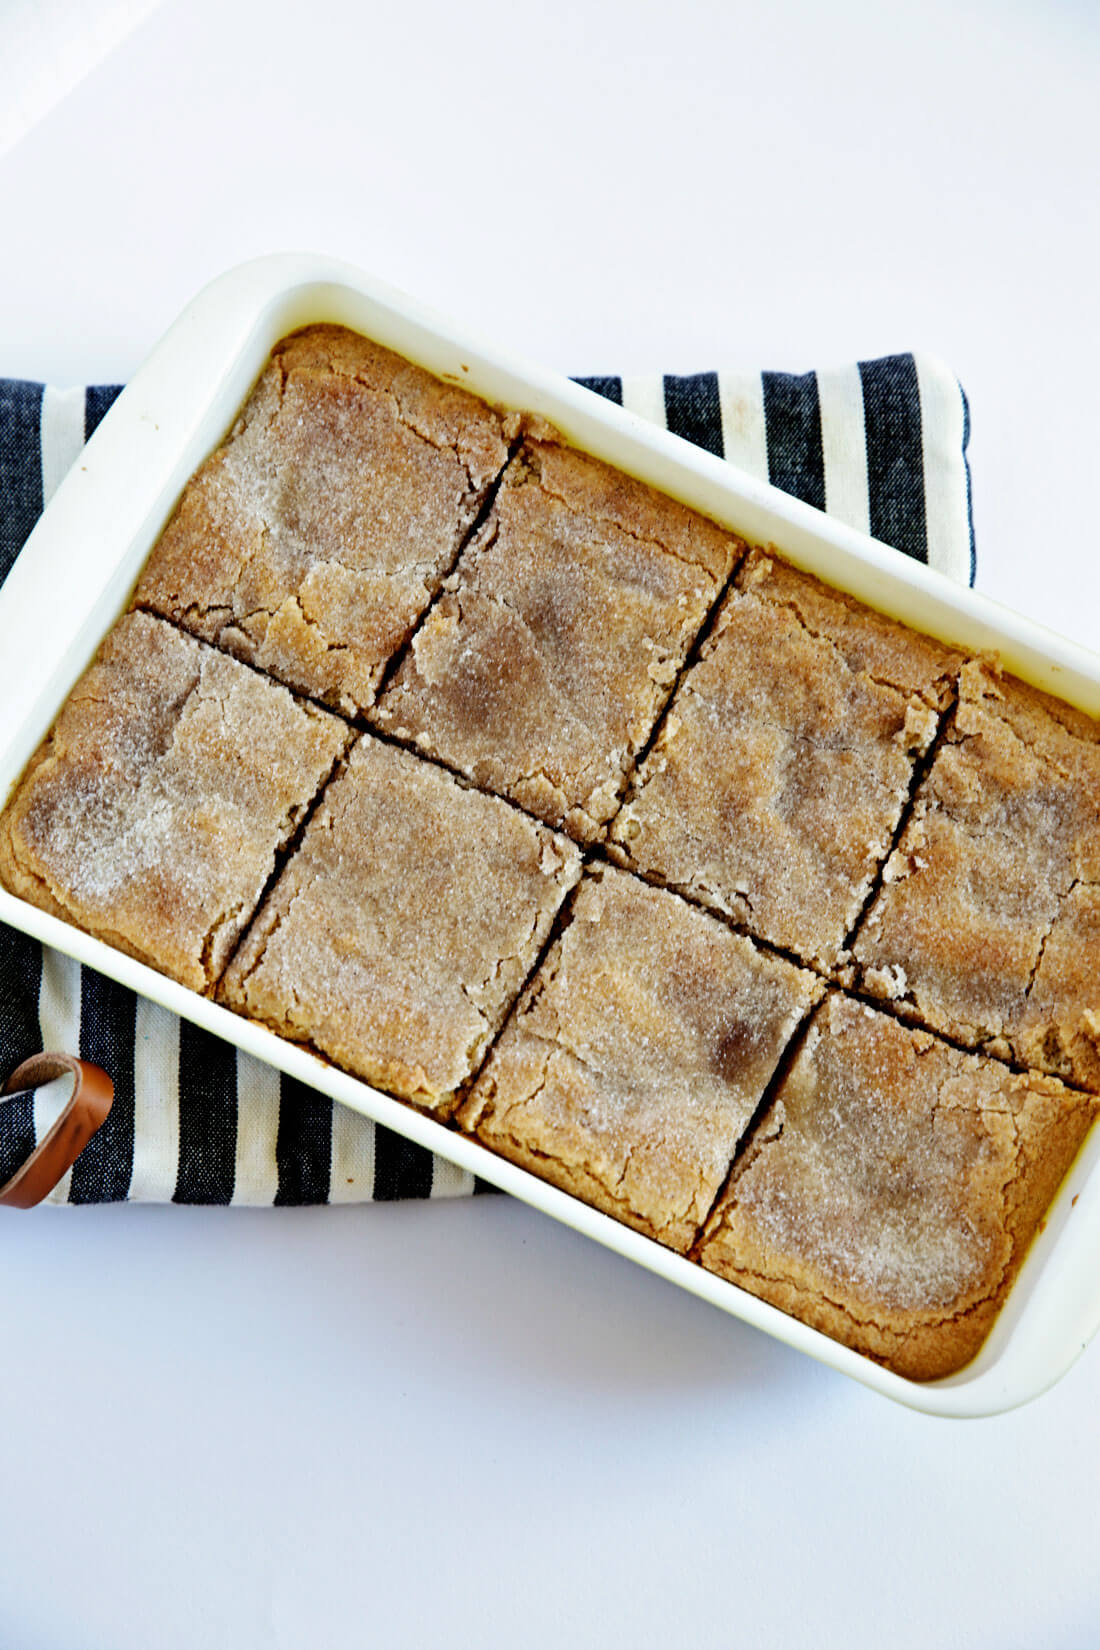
(59, 1148)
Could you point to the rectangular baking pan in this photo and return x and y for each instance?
(79, 566)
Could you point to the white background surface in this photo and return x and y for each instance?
(48, 46)
(460, 1425)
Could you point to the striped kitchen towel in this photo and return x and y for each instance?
(880, 444)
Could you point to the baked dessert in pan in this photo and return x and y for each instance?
(544, 665)
(638, 1055)
(153, 813)
(749, 915)
(780, 773)
(399, 933)
(987, 925)
(313, 539)
(890, 1193)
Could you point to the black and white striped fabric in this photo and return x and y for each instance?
(880, 444)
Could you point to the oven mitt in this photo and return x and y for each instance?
(879, 444)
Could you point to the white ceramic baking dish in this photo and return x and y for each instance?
(80, 563)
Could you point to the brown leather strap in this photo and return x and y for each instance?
(59, 1149)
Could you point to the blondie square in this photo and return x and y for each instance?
(987, 926)
(889, 1196)
(541, 670)
(637, 1056)
(153, 813)
(779, 775)
(313, 539)
(404, 925)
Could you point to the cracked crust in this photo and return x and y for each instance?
(987, 926)
(780, 773)
(890, 1195)
(314, 538)
(404, 925)
(637, 1056)
(153, 813)
(543, 667)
